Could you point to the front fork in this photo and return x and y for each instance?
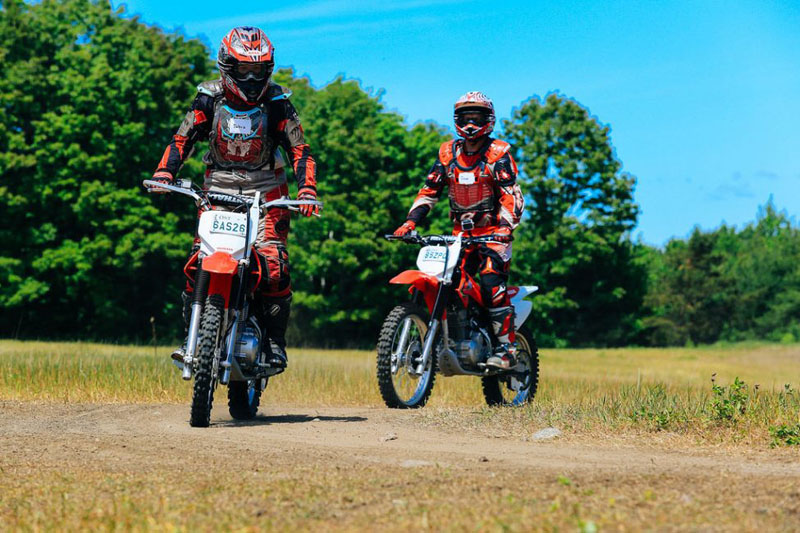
(239, 315)
(198, 299)
(442, 297)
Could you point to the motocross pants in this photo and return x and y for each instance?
(492, 263)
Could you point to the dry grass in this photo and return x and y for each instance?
(627, 390)
(367, 497)
(81, 482)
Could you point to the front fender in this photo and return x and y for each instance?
(425, 283)
(220, 263)
(222, 268)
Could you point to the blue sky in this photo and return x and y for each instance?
(703, 98)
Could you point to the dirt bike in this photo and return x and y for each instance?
(445, 328)
(223, 345)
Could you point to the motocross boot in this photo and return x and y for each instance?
(273, 319)
(178, 353)
(502, 323)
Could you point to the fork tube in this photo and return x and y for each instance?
(231, 346)
(191, 340)
(441, 301)
(200, 290)
(401, 345)
(426, 350)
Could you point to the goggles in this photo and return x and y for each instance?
(478, 118)
(252, 71)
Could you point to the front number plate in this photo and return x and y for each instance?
(431, 259)
(433, 253)
(228, 224)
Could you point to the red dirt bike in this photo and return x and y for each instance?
(224, 341)
(446, 328)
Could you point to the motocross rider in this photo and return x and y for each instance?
(480, 175)
(246, 117)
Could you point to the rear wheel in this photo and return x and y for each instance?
(244, 398)
(205, 378)
(402, 381)
(518, 387)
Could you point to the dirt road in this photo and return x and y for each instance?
(342, 468)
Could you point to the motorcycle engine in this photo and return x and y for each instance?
(476, 348)
(248, 345)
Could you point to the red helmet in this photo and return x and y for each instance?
(474, 115)
(245, 60)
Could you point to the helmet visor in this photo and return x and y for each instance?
(471, 116)
(252, 71)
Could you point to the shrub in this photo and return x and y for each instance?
(730, 402)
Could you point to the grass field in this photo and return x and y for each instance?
(591, 390)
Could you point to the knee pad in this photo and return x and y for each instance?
(276, 280)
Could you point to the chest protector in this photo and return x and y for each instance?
(240, 139)
(471, 188)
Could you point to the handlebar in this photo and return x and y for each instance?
(414, 238)
(203, 198)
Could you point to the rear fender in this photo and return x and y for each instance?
(522, 307)
(425, 283)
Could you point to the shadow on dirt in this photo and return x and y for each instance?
(260, 420)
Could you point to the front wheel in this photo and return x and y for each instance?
(516, 387)
(402, 381)
(205, 378)
(244, 398)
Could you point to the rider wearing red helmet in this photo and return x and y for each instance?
(481, 177)
(246, 117)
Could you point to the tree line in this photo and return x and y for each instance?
(86, 253)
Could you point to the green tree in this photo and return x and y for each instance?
(574, 242)
(688, 291)
(726, 284)
(89, 98)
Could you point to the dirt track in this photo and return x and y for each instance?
(138, 432)
(138, 440)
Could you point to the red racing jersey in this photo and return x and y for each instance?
(482, 187)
